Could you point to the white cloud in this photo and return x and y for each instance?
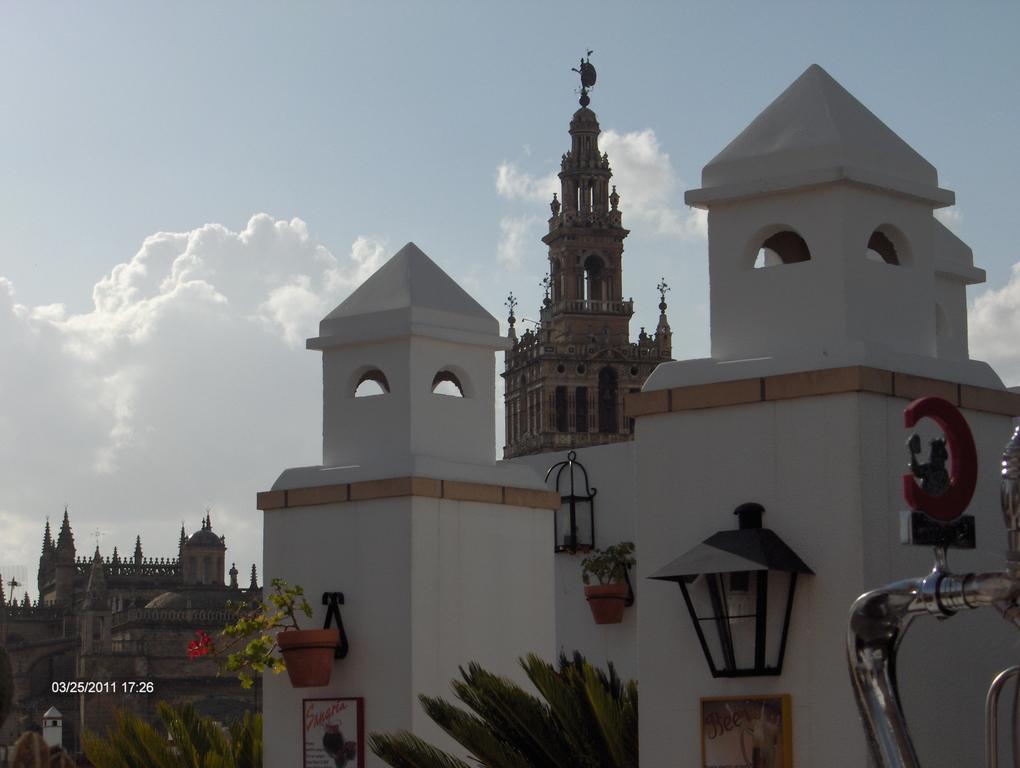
(515, 184)
(994, 324)
(165, 396)
(648, 185)
(516, 234)
(952, 217)
(643, 173)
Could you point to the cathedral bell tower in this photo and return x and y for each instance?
(566, 380)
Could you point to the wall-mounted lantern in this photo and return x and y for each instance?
(738, 587)
(574, 524)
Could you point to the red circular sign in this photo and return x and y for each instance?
(950, 505)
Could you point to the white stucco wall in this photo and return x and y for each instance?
(827, 471)
(364, 551)
(480, 579)
(384, 431)
(611, 470)
(429, 585)
(807, 307)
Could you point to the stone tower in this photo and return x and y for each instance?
(566, 380)
(202, 556)
(63, 563)
(96, 615)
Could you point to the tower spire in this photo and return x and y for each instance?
(138, 550)
(254, 582)
(65, 539)
(663, 334)
(47, 545)
(511, 304)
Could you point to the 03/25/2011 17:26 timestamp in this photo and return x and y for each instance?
(102, 686)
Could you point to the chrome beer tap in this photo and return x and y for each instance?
(880, 618)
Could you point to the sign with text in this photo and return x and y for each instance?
(334, 733)
(746, 732)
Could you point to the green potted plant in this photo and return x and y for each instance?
(248, 643)
(611, 594)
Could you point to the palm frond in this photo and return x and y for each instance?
(405, 750)
(586, 718)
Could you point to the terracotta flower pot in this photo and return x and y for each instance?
(607, 602)
(308, 654)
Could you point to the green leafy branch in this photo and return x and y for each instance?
(609, 565)
(249, 642)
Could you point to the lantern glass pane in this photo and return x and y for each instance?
(727, 607)
(779, 590)
(739, 590)
(701, 600)
(580, 537)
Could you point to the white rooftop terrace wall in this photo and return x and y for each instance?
(410, 321)
(429, 586)
(611, 471)
(825, 463)
(817, 163)
(444, 555)
(839, 303)
(827, 469)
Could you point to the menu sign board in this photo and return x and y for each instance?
(334, 733)
(746, 732)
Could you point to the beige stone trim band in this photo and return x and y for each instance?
(813, 383)
(395, 487)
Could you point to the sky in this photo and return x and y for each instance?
(187, 188)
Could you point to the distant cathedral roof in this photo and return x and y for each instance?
(208, 598)
(817, 128)
(204, 537)
(408, 295)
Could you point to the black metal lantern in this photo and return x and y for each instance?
(574, 524)
(729, 582)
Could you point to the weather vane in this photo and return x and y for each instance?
(587, 73)
(511, 304)
(663, 289)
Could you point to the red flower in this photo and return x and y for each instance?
(201, 646)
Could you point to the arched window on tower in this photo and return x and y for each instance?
(785, 247)
(446, 383)
(372, 383)
(607, 401)
(888, 244)
(560, 409)
(581, 409)
(593, 278)
(522, 398)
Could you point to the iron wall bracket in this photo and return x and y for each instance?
(333, 601)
